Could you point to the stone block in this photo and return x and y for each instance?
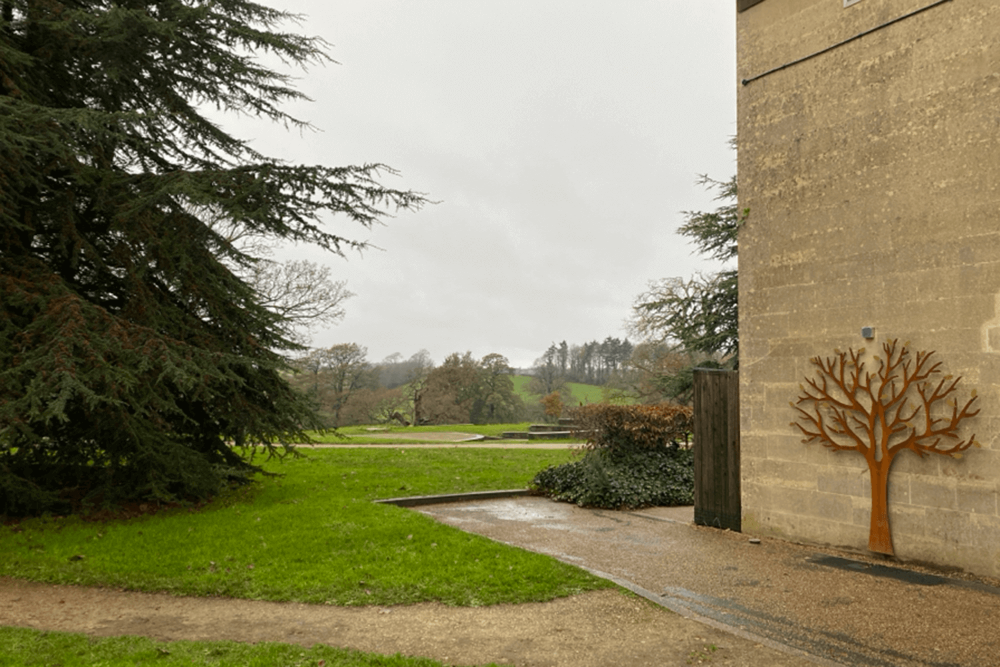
(898, 488)
(931, 492)
(752, 446)
(949, 527)
(809, 503)
(975, 559)
(791, 448)
(844, 481)
(750, 494)
(787, 473)
(986, 533)
(907, 521)
(772, 325)
(824, 531)
(978, 465)
(781, 370)
(977, 499)
(765, 522)
(834, 507)
(778, 416)
(776, 498)
(908, 463)
(923, 549)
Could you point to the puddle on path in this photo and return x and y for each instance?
(509, 510)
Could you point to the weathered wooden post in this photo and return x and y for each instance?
(717, 448)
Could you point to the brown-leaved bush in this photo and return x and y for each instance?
(630, 427)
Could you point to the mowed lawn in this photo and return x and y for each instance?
(312, 535)
(28, 648)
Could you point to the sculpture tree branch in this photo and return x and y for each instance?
(901, 407)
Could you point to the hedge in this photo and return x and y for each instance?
(634, 459)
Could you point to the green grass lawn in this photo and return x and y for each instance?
(27, 648)
(313, 535)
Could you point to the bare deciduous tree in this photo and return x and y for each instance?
(333, 376)
(301, 292)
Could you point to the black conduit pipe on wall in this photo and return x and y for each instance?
(849, 39)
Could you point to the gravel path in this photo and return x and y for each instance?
(836, 607)
(591, 630)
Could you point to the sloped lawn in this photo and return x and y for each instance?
(312, 535)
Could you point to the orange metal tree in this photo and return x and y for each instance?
(904, 405)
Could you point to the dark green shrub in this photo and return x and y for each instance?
(622, 479)
(634, 459)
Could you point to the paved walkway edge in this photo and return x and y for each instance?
(677, 606)
(416, 501)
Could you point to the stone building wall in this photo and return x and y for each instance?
(871, 176)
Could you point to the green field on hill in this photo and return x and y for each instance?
(582, 393)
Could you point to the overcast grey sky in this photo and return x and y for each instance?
(562, 138)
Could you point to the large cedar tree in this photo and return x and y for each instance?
(132, 356)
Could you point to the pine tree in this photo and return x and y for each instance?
(131, 353)
(700, 314)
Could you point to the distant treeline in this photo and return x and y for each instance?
(596, 362)
(347, 388)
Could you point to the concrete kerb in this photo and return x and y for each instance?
(416, 501)
(678, 606)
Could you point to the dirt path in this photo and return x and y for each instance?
(429, 436)
(590, 630)
(440, 439)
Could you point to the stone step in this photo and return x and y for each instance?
(541, 428)
(549, 435)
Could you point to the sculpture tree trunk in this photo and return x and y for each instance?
(848, 409)
(879, 537)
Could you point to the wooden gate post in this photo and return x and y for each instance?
(717, 448)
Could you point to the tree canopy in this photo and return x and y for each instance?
(132, 349)
(463, 390)
(699, 314)
(595, 362)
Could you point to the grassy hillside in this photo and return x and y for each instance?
(582, 393)
(586, 393)
(521, 387)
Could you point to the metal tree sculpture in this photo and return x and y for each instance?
(902, 406)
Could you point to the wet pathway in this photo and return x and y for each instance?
(839, 609)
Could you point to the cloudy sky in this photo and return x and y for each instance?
(562, 140)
